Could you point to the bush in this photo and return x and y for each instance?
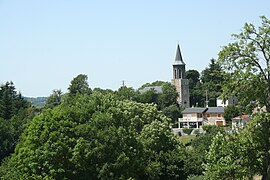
(196, 131)
(187, 130)
(193, 177)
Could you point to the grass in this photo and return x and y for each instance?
(186, 139)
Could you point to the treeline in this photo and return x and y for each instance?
(98, 134)
(101, 134)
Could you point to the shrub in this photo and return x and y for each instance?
(187, 130)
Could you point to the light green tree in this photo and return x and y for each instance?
(258, 153)
(227, 158)
(54, 99)
(246, 60)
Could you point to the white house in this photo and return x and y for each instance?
(231, 101)
(197, 117)
(240, 122)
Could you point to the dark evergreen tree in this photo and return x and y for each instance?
(79, 85)
(212, 79)
(11, 102)
(195, 88)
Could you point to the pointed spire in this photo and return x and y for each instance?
(178, 57)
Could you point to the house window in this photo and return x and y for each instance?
(219, 115)
(219, 123)
(208, 115)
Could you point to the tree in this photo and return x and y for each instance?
(164, 154)
(195, 87)
(150, 96)
(258, 135)
(231, 111)
(212, 80)
(163, 99)
(173, 112)
(127, 93)
(14, 113)
(97, 137)
(168, 96)
(54, 99)
(243, 154)
(196, 153)
(156, 83)
(11, 102)
(194, 77)
(247, 62)
(79, 85)
(227, 158)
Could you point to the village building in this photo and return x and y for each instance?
(240, 122)
(197, 117)
(179, 79)
(157, 89)
(230, 101)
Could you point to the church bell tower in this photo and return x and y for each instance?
(181, 84)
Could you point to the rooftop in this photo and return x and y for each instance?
(157, 89)
(194, 110)
(202, 110)
(215, 110)
(245, 117)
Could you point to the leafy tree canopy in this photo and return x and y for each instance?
(54, 99)
(197, 94)
(98, 136)
(247, 62)
(79, 85)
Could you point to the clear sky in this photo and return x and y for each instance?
(46, 43)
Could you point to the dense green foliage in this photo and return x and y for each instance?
(199, 146)
(241, 155)
(79, 85)
(208, 83)
(212, 79)
(197, 97)
(11, 102)
(54, 99)
(98, 136)
(247, 62)
(14, 114)
(165, 100)
(232, 111)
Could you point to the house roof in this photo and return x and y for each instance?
(245, 117)
(202, 110)
(157, 89)
(194, 110)
(215, 110)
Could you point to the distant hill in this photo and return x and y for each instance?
(38, 101)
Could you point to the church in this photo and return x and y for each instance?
(179, 79)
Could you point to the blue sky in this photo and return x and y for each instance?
(44, 44)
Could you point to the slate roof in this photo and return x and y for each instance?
(202, 110)
(158, 89)
(215, 110)
(194, 110)
(178, 57)
(244, 117)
